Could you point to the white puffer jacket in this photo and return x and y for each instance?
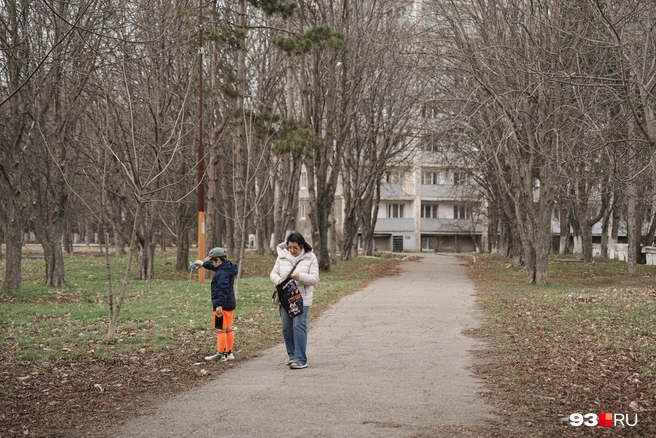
(307, 268)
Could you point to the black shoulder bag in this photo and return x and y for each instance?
(286, 292)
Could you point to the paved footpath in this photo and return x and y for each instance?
(387, 361)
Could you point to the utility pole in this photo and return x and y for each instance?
(201, 150)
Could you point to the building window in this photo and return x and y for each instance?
(394, 177)
(431, 144)
(395, 211)
(302, 208)
(460, 179)
(397, 243)
(461, 212)
(429, 211)
(428, 244)
(303, 180)
(429, 111)
(428, 178)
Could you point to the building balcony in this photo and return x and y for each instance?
(390, 225)
(441, 191)
(437, 157)
(451, 226)
(395, 191)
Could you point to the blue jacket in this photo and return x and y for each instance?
(223, 282)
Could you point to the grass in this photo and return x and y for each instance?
(42, 323)
(582, 342)
(52, 339)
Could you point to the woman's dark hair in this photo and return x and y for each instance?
(298, 238)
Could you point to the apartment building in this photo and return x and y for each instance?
(428, 203)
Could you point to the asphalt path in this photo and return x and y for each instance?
(390, 360)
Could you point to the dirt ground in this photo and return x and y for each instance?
(38, 402)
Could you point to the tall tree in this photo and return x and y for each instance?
(17, 55)
(508, 50)
(319, 43)
(61, 93)
(386, 90)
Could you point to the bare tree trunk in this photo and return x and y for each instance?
(145, 260)
(263, 218)
(543, 245)
(162, 235)
(350, 231)
(632, 200)
(616, 216)
(16, 116)
(146, 245)
(505, 241)
(529, 263)
(652, 231)
(639, 219)
(240, 149)
(604, 234)
(52, 251)
(2, 232)
(542, 262)
(66, 241)
(182, 246)
(119, 242)
(87, 232)
(115, 307)
(14, 242)
(563, 247)
(586, 240)
(369, 215)
(333, 240)
(493, 230)
(49, 225)
(211, 207)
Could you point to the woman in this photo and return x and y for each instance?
(296, 252)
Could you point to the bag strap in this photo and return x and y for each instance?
(292, 271)
(289, 276)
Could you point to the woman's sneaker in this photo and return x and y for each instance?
(218, 357)
(229, 356)
(289, 362)
(298, 365)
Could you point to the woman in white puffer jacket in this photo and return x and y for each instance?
(296, 251)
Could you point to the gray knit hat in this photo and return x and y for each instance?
(217, 252)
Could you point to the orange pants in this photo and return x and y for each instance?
(225, 336)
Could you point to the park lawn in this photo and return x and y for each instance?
(583, 343)
(60, 377)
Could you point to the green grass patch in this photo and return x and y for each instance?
(586, 339)
(59, 373)
(43, 324)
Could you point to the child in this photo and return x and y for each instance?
(223, 300)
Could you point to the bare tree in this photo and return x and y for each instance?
(243, 97)
(508, 51)
(630, 37)
(16, 55)
(385, 64)
(41, 103)
(61, 94)
(324, 106)
(142, 136)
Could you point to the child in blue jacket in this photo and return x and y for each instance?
(223, 300)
